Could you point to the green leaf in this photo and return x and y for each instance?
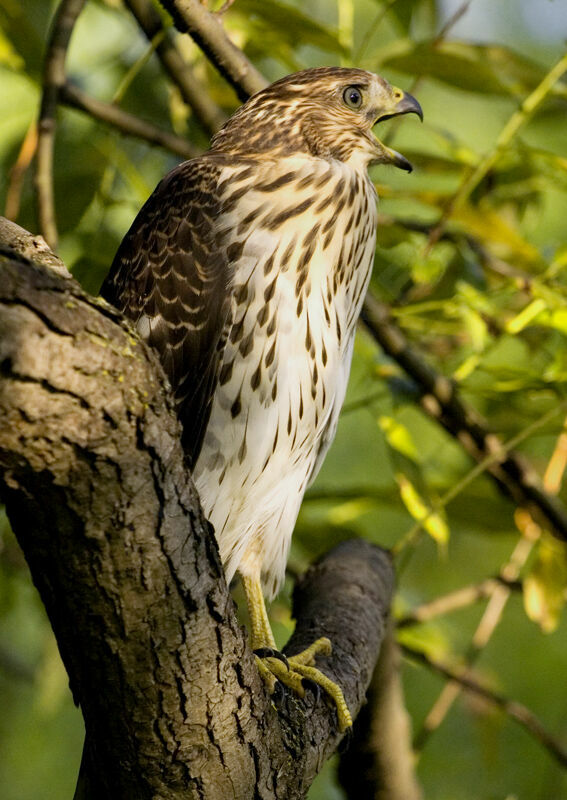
(491, 69)
(398, 437)
(526, 316)
(433, 522)
(546, 585)
(272, 24)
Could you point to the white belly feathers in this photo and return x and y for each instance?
(298, 289)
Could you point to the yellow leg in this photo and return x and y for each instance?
(300, 666)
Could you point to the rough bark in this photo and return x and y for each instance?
(100, 499)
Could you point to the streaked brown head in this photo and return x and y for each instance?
(327, 112)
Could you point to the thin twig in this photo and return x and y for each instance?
(191, 17)
(53, 79)
(499, 592)
(371, 30)
(127, 123)
(513, 709)
(207, 112)
(451, 22)
(435, 44)
(507, 134)
(439, 397)
(498, 596)
(453, 601)
(18, 171)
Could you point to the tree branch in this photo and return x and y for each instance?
(192, 17)
(453, 601)
(379, 764)
(53, 79)
(439, 398)
(126, 123)
(105, 510)
(195, 95)
(516, 711)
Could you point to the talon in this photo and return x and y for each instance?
(280, 692)
(313, 686)
(296, 672)
(346, 741)
(270, 652)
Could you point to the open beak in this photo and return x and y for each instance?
(406, 104)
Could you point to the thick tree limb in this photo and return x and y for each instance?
(105, 510)
(381, 763)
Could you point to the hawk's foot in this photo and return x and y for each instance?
(301, 669)
(294, 670)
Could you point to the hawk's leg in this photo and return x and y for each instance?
(298, 667)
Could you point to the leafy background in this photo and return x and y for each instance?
(482, 297)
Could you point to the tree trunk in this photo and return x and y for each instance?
(104, 508)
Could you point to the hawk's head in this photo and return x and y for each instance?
(327, 112)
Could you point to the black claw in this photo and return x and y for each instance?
(269, 652)
(314, 687)
(280, 693)
(346, 741)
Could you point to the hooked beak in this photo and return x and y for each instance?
(404, 104)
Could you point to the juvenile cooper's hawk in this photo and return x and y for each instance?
(246, 270)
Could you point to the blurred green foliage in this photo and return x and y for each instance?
(472, 260)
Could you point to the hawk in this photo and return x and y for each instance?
(246, 270)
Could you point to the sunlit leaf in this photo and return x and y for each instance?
(398, 437)
(475, 326)
(545, 586)
(433, 522)
(526, 316)
(430, 639)
(467, 367)
(556, 319)
(349, 511)
(491, 228)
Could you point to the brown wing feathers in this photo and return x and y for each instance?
(171, 277)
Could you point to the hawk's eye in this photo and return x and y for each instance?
(352, 97)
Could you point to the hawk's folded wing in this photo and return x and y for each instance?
(171, 276)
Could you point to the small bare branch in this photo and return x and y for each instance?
(53, 79)
(194, 94)
(127, 123)
(18, 171)
(453, 601)
(516, 711)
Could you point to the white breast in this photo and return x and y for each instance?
(298, 288)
